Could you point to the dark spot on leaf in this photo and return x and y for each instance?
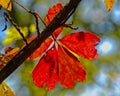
(47, 58)
(81, 36)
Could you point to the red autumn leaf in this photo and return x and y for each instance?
(61, 67)
(44, 46)
(46, 70)
(82, 43)
(59, 64)
(52, 12)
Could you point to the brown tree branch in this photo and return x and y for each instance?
(60, 19)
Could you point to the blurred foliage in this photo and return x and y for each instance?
(103, 74)
(12, 34)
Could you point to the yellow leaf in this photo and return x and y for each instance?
(32, 28)
(5, 90)
(109, 4)
(6, 4)
(10, 37)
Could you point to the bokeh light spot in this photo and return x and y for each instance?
(105, 47)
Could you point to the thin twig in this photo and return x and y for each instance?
(35, 14)
(69, 26)
(29, 11)
(36, 18)
(16, 26)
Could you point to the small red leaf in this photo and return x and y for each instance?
(52, 12)
(82, 43)
(70, 69)
(45, 71)
(44, 46)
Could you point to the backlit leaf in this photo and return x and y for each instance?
(52, 12)
(82, 43)
(109, 4)
(6, 4)
(58, 66)
(59, 63)
(46, 70)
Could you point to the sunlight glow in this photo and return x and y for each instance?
(105, 47)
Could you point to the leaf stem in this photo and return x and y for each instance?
(29, 11)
